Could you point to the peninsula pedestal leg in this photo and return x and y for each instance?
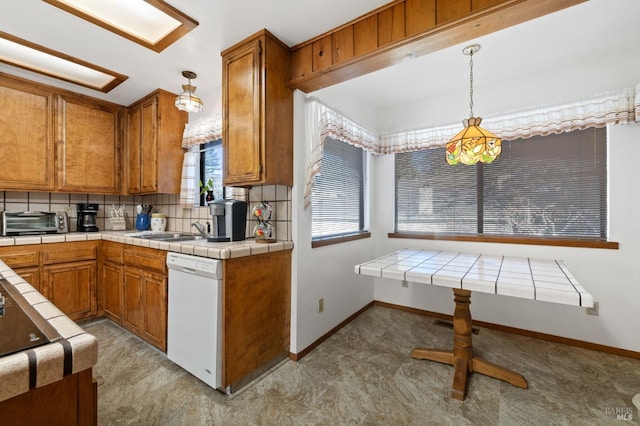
(462, 357)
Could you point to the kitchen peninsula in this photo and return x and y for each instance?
(53, 380)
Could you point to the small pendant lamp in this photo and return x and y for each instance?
(187, 101)
(473, 143)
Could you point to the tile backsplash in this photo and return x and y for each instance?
(178, 219)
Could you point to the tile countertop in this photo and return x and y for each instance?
(202, 248)
(81, 348)
(538, 279)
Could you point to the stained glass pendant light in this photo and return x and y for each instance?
(473, 143)
(187, 101)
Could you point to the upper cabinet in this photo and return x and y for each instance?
(154, 145)
(55, 140)
(257, 131)
(26, 136)
(89, 135)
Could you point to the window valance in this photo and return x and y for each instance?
(201, 131)
(323, 122)
(617, 107)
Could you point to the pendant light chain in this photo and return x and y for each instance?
(471, 82)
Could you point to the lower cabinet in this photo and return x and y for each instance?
(256, 315)
(134, 290)
(72, 288)
(65, 273)
(30, 275)
(25, 261)
(132, 293)
(112, 283)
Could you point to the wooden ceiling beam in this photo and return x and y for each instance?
(402, 28)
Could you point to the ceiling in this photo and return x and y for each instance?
(567, 35)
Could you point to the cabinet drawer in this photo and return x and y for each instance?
(69, 253)
(113, 252)
(154, 261)
(20, 259)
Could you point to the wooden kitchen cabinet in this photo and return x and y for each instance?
(144, 294)
(154, 152)
(113, 291)
(26, 136)
(55, 140)
(154, 309)
(133, 290)
(111, 284)
(256, 315)
(69, 277)
(72, 288)
(65, 273)
(257, 132)
(145, 305)
(88, 152)
(132, 294)
(25, 262)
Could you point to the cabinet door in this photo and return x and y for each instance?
(142, 153)
(154, 300)
(30, 275)
(112, 287)
(72, 288)
(26, 136)
(149, 152)
(132, 295)
(133, 151)
(88, 146)
(242, 119)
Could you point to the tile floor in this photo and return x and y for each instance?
(363, 375)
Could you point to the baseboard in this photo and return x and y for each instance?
(305, 351)
(521, 332)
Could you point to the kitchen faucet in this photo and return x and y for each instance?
(199, 227)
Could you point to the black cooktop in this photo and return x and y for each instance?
(21, 326)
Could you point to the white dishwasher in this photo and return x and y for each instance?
(194, 329)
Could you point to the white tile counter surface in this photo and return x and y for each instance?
(538, 279)
(50, 358)
(202, 248)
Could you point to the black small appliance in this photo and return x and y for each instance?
(87, 213)
(229, 220)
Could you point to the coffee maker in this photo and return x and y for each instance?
(87, 213)
(229, 220)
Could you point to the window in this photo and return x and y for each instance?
(543, 186)
(211, 167)
(337, 199)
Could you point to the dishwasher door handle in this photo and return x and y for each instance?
(190, 270)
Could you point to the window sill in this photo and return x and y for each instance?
(509, 239)
(321, 242)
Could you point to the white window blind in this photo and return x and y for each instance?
(553, 185)
(337, 198)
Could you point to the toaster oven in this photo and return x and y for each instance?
(34, 223)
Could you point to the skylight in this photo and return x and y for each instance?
(33, 57)
(151, 23)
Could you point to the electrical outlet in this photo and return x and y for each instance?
(321, 305)
(595, 310)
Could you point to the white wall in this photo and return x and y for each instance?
(324, 272)
(612, 276)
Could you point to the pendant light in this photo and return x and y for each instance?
(473, 143)
(187, 101)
